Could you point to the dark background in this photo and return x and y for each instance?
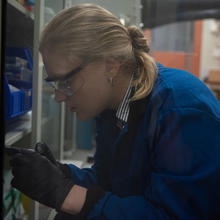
(159, 12)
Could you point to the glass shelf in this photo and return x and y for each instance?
(18, 129)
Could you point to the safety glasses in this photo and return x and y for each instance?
(69, 83)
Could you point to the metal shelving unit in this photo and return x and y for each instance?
(20, 25)
(19, 32)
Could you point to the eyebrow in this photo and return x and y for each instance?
(65, 76)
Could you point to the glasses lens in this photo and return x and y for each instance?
(61, 85)
(64, 88)
(68, 86)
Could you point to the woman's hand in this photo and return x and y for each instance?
(41, 180)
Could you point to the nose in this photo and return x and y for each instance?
(60, 96)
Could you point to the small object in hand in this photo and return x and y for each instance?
(11, 150)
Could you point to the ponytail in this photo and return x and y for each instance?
(146, 70)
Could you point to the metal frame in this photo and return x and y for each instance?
(37, 91)
(62, 128)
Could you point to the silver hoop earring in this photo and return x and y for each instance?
(111, 80)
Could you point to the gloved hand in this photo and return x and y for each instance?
(43, 149)
(65, 169)
(40, 179)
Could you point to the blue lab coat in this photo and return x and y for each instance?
(165, 163)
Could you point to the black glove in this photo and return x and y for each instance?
(39, 178)
(44, 149)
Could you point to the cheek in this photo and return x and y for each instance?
(93, 99)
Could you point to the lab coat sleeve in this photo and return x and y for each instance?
(87, 177)
(98, 173)
(185, 175)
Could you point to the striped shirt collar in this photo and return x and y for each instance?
(124, 108)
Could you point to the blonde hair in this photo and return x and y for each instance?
(88, 31)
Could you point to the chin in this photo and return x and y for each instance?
(86, 115)
(83, 117)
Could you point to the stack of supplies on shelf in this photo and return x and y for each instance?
(16, 69)
(28, 4)
(18, 82)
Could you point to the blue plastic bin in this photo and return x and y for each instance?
(17, 102)
(21, 52)
(26, 87)
(14, 102)
(84, 134)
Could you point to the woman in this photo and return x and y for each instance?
(158, 142)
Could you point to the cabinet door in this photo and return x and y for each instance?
(52, 128)
(47, 115)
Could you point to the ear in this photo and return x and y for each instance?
(112, 67)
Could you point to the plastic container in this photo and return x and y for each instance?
(17, 102)
(21, 52)
(19, 67)
(84, 134)
(14, 71)
(16, 60)
(25, 87)
(14, 102)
